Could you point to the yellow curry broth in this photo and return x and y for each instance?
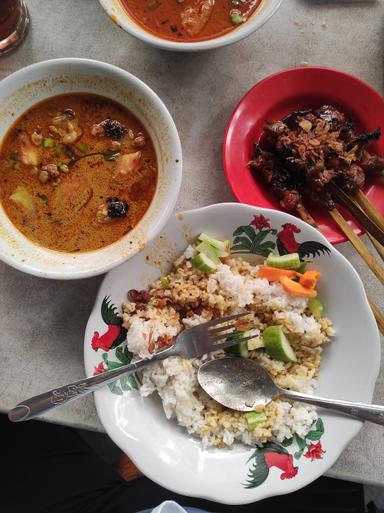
(69, 211)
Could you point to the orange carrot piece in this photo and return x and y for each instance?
(274, 274)
(309, 279)
(296, 289)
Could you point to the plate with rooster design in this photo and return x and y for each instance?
(243, 474)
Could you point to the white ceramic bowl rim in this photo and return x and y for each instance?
(339, 430)
(118, 15)
(112, 255)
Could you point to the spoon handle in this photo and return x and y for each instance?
(371, 412)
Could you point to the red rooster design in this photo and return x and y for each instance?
(115, 333)
(286, 243)
(270, 455)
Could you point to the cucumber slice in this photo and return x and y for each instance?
(255, 343)
(254, 418)
(203, 263)
(222, 245)
(240, 350)
(277, 344)
(302, 267)
(290, 261)
(316, 307)
(210, 251)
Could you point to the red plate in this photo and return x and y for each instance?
(275, 97)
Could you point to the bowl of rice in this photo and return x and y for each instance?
(176, 434)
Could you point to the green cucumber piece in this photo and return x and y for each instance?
(255, 343)
(254, 418)
(277, 344)
(203, 263)
(290, 261)
(210, 251)
(302, 267)
(316, 307)
(222, 245)
(240, 350)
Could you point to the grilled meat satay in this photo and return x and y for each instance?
(276, 177)
(372, 164)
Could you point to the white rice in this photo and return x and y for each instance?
(175, 379)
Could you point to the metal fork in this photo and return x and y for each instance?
(190, 343)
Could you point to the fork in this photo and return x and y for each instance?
(190, 343)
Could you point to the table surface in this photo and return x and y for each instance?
(41, 321)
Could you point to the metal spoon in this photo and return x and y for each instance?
(244, 385)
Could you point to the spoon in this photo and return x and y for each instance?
(244, 385)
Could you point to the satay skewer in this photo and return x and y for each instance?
(379, 248)
(305, 215)
(358, 213)
(378, 316)
(364, 203)
(358, 244)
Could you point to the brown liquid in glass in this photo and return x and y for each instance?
(10, 12)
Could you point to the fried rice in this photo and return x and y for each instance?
(154, 318)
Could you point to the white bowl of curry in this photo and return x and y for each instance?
(90, 167)
(190, 25)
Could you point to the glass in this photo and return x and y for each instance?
(14, 21)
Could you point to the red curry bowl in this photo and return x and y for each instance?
(276, 96)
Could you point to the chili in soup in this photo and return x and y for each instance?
(190, 20)
(77, 172)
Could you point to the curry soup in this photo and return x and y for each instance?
(190, 20)
(77, 172)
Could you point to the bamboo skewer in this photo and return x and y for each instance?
(341, 222)
(354, 208)
(364, 203)
(305, 215)
(360, 247)
(379, 247)
(378, 316)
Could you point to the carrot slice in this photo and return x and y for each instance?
(296, 289)
(309, 279)
(274, 273)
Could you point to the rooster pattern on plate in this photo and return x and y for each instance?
(260, 238)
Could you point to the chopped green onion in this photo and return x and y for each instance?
(254, 418)
(13, 157)
(165, 283)
(58, 150)
(48, 143)
(237, 19)
(64, 168)
(82, 147)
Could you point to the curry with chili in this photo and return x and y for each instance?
(190, 20)
(77, 172)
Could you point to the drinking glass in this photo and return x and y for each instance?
(14, 21)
